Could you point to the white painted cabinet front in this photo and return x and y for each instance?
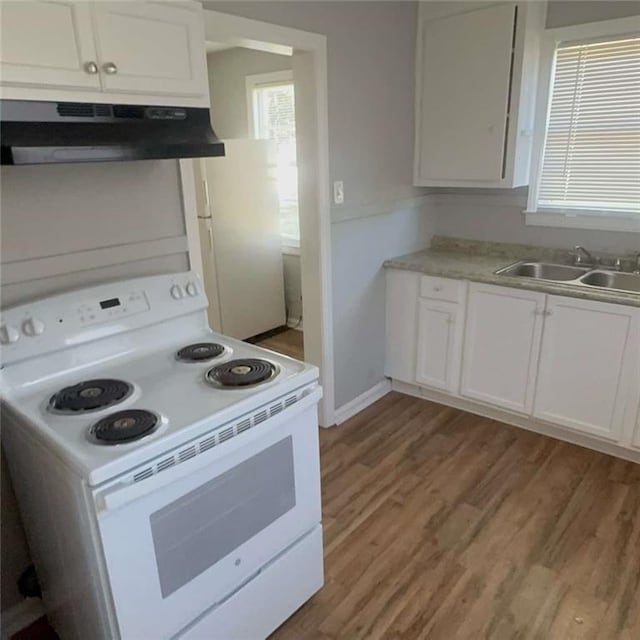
(501, 346)
(587, 365)
(150, 48)
(48, 43)
(476, 71)
(636, 436)
(401, 310)
(126, 52)
(438, 352)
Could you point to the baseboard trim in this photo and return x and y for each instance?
(365, 399)
(524, 422)
(20, 616)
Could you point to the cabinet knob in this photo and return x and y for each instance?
(32, 327)
(91, 67)
(110, 68)
(8, 334)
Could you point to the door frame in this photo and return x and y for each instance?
(309, 55)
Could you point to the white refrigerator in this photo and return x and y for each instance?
(239, 223)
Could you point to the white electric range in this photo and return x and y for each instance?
(168, 476)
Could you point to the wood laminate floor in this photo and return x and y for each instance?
(288, 342)
(442, 525)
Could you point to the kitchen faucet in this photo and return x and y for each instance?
(580, 249)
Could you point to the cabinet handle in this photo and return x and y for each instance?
(110, 68)
(91, 67)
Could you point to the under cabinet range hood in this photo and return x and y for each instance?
(35, 132)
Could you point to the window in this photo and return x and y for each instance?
(272, 114)
(587, 160)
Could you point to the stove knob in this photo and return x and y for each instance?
(192, 289)
(8, 334)
(177, 292)
(32, 327)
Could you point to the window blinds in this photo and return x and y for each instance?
(591, 158)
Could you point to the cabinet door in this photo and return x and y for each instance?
(47, 43)
(400, 299)
(465, 72)
(501, 346)
(636, 437)
(438, 355)
(151, 48)
(586, 364)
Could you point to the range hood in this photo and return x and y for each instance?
(35, 132)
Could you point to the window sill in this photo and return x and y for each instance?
(583, 221)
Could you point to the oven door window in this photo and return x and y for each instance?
(195, 531)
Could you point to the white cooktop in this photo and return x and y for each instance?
(141, 350)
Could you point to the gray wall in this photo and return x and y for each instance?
(370, 57)
(64, 210)
(227, 72)
(497, 214)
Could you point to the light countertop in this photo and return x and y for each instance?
(477, 262)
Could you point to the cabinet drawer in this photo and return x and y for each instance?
(441, 288)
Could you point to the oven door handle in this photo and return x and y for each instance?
(121, 494)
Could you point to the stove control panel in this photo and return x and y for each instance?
(113, 308)
(79, 317)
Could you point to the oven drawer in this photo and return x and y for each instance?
(271, 597)
(174, 550)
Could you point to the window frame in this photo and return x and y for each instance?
(259, 81)
(605, 220)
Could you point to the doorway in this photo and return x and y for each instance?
(307, 52)
(248, 211)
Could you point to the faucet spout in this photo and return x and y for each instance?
(579, 249)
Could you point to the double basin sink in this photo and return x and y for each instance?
(573, 275)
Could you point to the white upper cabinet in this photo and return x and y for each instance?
(48, 43)
(149, 48)
(476, 74)
(587, 365)
(501, 346)
(127, 52)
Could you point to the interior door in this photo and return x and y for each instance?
(586, 364)
(152, 48)
(48, 43)
(501, 346)
(247, 246)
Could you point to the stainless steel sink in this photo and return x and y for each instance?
(573, 275)
(543, 271)
(612, 280)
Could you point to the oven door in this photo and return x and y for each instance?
(182, 540)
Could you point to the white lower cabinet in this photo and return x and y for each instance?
(438, 352)
(636, 437)
(554, 360)
(401, 299)
(586, 365)
(501, 346)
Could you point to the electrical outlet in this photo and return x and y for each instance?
(338, 192)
